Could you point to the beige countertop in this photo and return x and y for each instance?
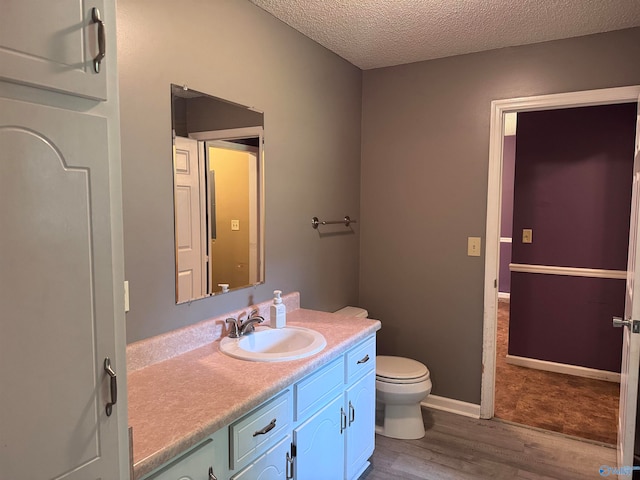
(178, 402)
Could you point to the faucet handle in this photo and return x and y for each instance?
(235, 331)
(254, 313)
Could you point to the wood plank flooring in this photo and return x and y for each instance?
(568, 404)
(462, 448)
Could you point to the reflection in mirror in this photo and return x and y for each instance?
(218, 194)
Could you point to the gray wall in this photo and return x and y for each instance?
(425, 129)
(312, 104)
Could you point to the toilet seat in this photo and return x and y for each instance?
(400, 370)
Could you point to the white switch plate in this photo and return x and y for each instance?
(527, 235)
(235, 225)
(473, 246)
(126, 296)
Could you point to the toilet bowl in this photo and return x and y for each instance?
(401, 384)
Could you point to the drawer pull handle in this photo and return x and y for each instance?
(211, 475)
(343, 420)
(266, 429)
(364, 360)
(113, 386)
(352, 413)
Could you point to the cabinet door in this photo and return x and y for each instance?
(319, 444)
(197, 464)
(361, 410)
(57, 296)
(270, 466)
(52, 45)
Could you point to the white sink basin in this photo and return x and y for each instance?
(274, 344)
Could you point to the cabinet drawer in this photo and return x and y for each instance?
(193, 464)
(315, 390)
(253, 434)
(361, 359)
(271, 465)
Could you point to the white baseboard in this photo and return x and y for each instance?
(454, 406)
(563, 368)
(504, 295)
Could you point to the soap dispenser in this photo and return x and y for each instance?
(278, 311)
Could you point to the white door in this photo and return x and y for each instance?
(631, 341)
(190, 281)
(57, 297)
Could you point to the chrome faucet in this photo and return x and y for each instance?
(249, 325)
(240, 327)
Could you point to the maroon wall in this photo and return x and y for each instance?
(506, 214)
(573, 189)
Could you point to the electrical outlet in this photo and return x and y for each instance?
(527, 235)
(473, 246)
(235, 225)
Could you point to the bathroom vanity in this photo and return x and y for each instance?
(204, 415)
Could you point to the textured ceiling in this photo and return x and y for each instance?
(380, 33)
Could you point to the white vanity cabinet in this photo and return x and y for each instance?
(360, 398)
(337, 441)
(332, 432)
(319, 428)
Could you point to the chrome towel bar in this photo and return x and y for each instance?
(346, 220)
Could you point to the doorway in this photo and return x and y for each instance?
(499, 109)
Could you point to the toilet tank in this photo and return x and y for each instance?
(353, 312)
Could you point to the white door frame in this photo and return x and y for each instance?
(499, 108)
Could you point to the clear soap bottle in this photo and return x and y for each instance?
(278, 317)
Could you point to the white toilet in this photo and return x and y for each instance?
(401, 384)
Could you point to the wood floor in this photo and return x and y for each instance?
(462, 448)
(563, 403)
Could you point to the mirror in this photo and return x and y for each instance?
(218, 188)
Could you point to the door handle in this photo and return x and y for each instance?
(113, 385)
(352, 413)
(627, 322)
(95, 18)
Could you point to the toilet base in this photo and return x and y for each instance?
(403, 422)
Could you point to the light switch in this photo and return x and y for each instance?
(473, 246)
(527, 235)
(235, 224)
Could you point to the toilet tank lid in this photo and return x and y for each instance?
(399, 367)
(353, 312)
